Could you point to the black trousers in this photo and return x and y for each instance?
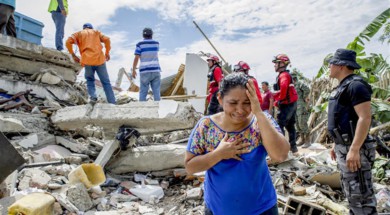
(7, 20)
(214, 106)
(286, 119)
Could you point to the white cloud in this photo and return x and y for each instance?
(305, 30)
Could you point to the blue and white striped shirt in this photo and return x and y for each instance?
(148, 52)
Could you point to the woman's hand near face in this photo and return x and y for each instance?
(227, 150)
(251, 93)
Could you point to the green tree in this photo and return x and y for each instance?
(373, 65)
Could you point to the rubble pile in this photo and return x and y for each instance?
(63, 156)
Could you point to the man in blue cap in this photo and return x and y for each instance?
(93, 59)
(349, 119)
(7, 19)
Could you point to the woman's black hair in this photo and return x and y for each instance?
(237, 79)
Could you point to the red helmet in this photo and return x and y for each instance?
(241, 67)
(214, 58)
(281, 58)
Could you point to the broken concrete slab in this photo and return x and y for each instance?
(32, 123)
(27, 66)
(39, 90)
(54, 152)
(73, 145)
(143, 116)
(10, 125)
(21, 56)
(36, 140)
(78, 195)
(34, 178)
(106, 153)
(138, 159)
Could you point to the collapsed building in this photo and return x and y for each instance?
(63, 156)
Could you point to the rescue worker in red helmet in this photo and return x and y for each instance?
(215, 77)
(243, 67)
(286, 100)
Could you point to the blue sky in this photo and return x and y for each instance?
(249, 30)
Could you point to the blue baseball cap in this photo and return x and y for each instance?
(87, 25)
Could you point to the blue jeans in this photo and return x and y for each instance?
(286, 119)
(59, 21)
(154, 80)
(104, 79)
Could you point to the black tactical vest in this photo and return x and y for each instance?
(343, 117)
(210, 75)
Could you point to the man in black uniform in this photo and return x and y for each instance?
(349, 120)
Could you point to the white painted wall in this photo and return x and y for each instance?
(195, 80)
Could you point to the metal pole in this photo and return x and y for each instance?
(197, 26)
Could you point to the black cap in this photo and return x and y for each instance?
(345, 57)
(147, 32)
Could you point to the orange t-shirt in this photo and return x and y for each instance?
(90, 42)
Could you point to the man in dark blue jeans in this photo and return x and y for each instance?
(59, 11)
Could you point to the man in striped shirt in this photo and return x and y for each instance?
(147, 52)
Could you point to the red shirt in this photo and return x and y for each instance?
(266, 96)
(284, 80)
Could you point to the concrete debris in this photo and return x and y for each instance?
(11, 125)
(61, 92)
(91, 131)
(194, 194)
(46, 76)
(78, 195)
(138, 159)
(30, 123)
(28, 58)
(148, 193)
(53, 152)
(149, 176)
(34, 178)
(75, 146)
(36, 140)
(106, 153)
(299, 190)
(145, 117)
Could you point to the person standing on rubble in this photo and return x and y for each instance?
(215, 76)
(231, 146)
(267, 98)
(303, 110)
(150, 72)
(286, 99)
(349, 119)
(59, 11)
(7, 19)
(93, 59)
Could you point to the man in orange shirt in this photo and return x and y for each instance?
(93, 59)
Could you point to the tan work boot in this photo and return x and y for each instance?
(306, 141)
